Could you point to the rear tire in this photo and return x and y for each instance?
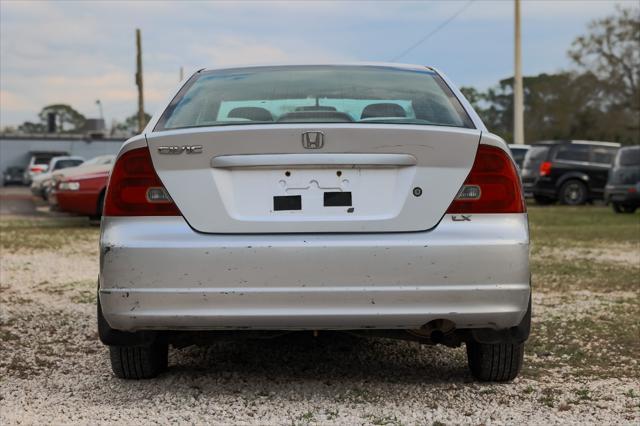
(498, 362)
(542, 200)
(573, 193)
(139, 362)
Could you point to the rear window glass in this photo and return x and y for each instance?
(629, 157)
(518, 154)
(41, 160)
(604, 155)
(535, 156)
(314, 94)
(573, 153)
(63, 164)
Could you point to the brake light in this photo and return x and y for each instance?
(36, 169)
(545, 168)
(135, 189)
(493, 185)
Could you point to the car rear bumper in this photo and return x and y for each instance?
(159, 274)
(624, 194)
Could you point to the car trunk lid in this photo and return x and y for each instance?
(282, 178)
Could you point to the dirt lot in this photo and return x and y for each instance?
(582, 363)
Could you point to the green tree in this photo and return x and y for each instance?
(65, 115)
(611, 52)
(599, 100)
(130, 124)
(29, 127)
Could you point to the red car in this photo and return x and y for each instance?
(82, 193)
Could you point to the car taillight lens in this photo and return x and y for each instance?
(36, 169)
(135, 189)
(545, 168)
(493, 185)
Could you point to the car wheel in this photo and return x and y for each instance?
(495, 362)
(573, 193)
(542, 200)
(139, 362)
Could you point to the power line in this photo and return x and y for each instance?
(435, 30)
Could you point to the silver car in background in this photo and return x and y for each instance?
(360, 197)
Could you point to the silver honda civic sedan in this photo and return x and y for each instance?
(361, 197)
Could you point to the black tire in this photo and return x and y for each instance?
(622, 208)
(499, 362)
(99, 209)
(139, 362)
(573, 193)
(542, 200)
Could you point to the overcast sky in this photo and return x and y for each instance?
(76, 52)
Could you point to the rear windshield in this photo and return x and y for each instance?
(535, 156)
(42, 159)
(629, 157)
(579, 153)
(518, 154)
(314, 94)
(63, 164)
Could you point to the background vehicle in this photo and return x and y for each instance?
(41, 183)
(518, 152)
(95, 167)
(39, 163)
(82, 193)
(13, 176)
(572, 172)
(623, 186)
(265, 200)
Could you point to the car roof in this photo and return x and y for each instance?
(330, 64)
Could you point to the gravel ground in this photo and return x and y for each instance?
(54, 370)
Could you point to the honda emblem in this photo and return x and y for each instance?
(313, 140)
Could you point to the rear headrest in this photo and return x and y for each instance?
(383, 110)
(251, 113)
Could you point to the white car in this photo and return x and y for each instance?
(40, 183)
(359, 197)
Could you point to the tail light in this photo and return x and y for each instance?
(36, 169)
(545, 168)
(493, 185)
(135, 189)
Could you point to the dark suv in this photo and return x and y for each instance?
(572, 172)
(623, 187)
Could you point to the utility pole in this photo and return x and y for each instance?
(181, 73)
(518, 95)
(99, 103)
(141, 120)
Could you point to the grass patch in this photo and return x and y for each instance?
(45, 234)
(356, 396)
(384, 420)
(550, 274)
(595, 346)
(582, 226)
